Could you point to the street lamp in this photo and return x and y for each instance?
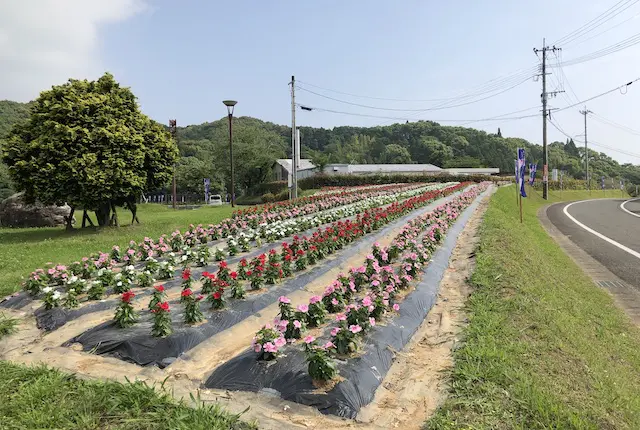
(230, 106)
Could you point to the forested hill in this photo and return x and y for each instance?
(204, 149)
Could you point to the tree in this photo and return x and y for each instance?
(571, 149)
(87, 144)
(396, 154)
(190, 175)
(499, 132)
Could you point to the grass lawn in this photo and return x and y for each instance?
(38, 398)
(26, 249)
(545, 347)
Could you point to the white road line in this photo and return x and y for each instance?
(600, 235)
(627, 210)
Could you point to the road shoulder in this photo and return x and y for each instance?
(624, 295)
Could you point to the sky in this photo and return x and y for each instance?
(181, 59)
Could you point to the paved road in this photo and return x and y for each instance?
(617, 246)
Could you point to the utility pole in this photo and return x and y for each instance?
(585, 112)
(544, 96)
(294, 155)
(173, 129)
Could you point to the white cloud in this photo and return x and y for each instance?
(46, 42)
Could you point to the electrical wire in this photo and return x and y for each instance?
(573, 45)
(493, 83)
(624, 44)
(494, 94)
(596, 22)
(606, 121)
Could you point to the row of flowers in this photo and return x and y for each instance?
(295, 255)
(301, 252)
(148, 249)
(361, 298)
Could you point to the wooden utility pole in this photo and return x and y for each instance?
(544, 96)
(294, 155)
(585, 112)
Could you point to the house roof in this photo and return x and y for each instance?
(305, 164)
(400, 168)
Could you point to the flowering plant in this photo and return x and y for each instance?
(237, 290)
(115, 254)
(51, 298)
(268, 342)
(321, 366)
(316, 311)
(36, 282)
(125, 315)
(187, 280)
(208, 280)
(217, 299)
(120, 285)
(273, 273)
(224, 274)
(242, 269)
(202, 255)
(151, 264)
(192, 312)
(301, 260)
(96, 290)
(255, 277)
(158, 296)
(161, 320)
(145, 279)
(166, 270)
(219, 254)
(344, 338)
(71, 298)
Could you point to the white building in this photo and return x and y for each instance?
(403, 169)
(283, 167)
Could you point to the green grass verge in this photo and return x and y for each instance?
(544, 348)
(38, 398)
(23, 250)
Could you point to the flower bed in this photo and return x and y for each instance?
(136, 344)
(356, 345)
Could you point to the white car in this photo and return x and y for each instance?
(215, 200)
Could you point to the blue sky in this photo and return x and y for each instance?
(182, 58)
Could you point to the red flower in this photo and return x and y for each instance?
(186, 274)
(205, 274)
(249, 272)
(186, 293)
(159, 288)
(233, 275)
(259, 268)
(217, 295)
(223, 265)
(127, 296)
(199, 297)
(287, 257)
(272, 252)
(262, 257)
(212, 276)
(164, 306)
(300, 252)
(243, 262)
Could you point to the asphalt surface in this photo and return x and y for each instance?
(605, 217)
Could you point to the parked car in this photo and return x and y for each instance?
(215, 199)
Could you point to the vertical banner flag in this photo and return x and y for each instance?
(621, 184)
(602, 183)
(521, 165)
(533, 168)
(207, 185)
(515, 162)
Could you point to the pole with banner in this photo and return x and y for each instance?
(207, 185)
(515, 162)
(603, 186)
(521, 169)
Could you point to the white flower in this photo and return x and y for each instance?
(56, 295)
(119, 284)
(118, 275)
(130, 268)
(184, 257)
(72, 279)
(47, 290)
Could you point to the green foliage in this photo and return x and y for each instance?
(12, 113)
(190, 175)
(319, 181)
(86, 143)
(7, 325)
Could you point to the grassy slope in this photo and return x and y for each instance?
(24, 250)
(36, 397)
(545, 348)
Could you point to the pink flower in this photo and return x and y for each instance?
(303, 308)
(390, 288)
(282, 325)
(355, 328)
(385, 302)
(315, 299)
(257, 347)
(366, 301)
(280, 342)
(396, 307)
(361, 269)
(341, 317)
(270, 347)
(371, 308)
(309, 339)
(334, 302)
(330, 289)
(372, 321)
(375, 283)
(284, 299)
(335, 331)
(297, 324)
(328, 345)
(51, 271)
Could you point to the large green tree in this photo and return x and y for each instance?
(87, 144)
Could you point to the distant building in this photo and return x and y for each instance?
(283, 167)
(368, 169)
(403, 169)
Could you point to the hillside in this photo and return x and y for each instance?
(204, 149)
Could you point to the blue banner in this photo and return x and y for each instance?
(533, 168)
(521, 168)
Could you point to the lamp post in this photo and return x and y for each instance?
(230, 106)
(173, 129)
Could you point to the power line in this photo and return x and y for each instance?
(421, 109)
(493, 83)
(624, 44)
(596, 22)
(602, 32)
(606, 121)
